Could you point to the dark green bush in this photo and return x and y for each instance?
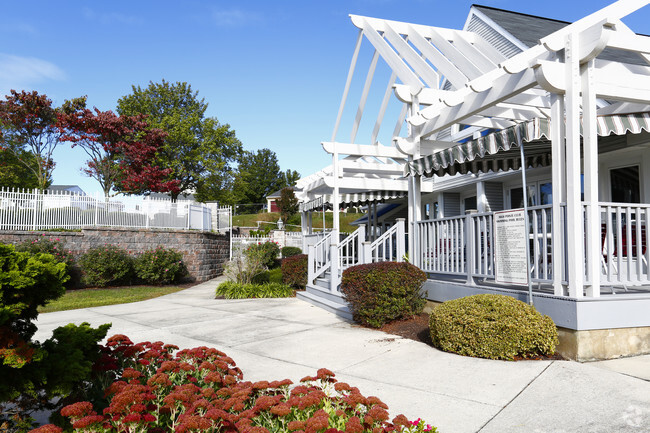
(381, 292)
(492, 326)
(275, 275)
(160, 266)
(294, 271)
(232, 290)
(31, 372)
(107, 265)
(268, 250)
(290, 251)
(57, 248)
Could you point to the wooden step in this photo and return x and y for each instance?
(340, 309)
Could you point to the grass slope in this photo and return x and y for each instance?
(250, 220)
(86, 298)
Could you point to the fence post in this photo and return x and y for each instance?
(365, 253)
(35, 195)
(96, 208)
(311, 264)
(470, 240)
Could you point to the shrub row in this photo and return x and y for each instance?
(111, 265)
(201, 389)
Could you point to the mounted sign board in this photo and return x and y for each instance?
(510, 237)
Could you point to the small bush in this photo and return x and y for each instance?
(268, 250)
(244, 270)
(294, 271)
(231, 290)
(290, 251)
(56, 248)
(160, 266)
(381, 292)
(492, 326)
(107, 265)
(275, 275)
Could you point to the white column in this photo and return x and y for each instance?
(480, 196)
(334, 247)
(575, 221)
(558, 179)
(415, 214)
(590, 148)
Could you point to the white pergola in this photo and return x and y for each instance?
(454, 85)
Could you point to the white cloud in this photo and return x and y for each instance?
(23, 72)
(109, 17)
(234, 18)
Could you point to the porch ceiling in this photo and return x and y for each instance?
(499, 151)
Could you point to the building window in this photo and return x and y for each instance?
(470, 203)
(625, 186)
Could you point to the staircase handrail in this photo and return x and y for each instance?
(319, 257)
(396, 230)
(351, 244)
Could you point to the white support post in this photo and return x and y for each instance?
(480, 196)
(401, 239)
(334, 247)
(575, 221)
(469, 250)
(558, 183)
(366, 248)
(590, 149)
(415, 214)
(311, 260)
(360, 240)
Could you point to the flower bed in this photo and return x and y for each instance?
(155, 388)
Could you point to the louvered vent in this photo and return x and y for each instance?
(494, 38)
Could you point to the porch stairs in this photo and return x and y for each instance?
(319, 294)
(328, 260)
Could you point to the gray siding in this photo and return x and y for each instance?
(493, 196)
(451, 204)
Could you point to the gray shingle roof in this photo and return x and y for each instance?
(529, 29)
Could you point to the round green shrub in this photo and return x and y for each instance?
(57, 249)
(492, 326)
(160, 266)
(378, 293)
(294, 271)
(107, 265)
(290, 251)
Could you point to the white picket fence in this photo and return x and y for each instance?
(284, 239)
(38, 210)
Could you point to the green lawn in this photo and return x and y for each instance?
(85, 298)
(250, 220)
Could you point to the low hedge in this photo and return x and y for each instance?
(294, 271)
(492, 326)
(381, 292)
(232, 290)
(106, 265)
(290, 251)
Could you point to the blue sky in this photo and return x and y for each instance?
(274, 71)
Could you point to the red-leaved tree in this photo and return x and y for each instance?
(121, 151)
(29, 130)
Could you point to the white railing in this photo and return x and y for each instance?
(350, 249)
(221, 218)
(463, 245)
(390, 246)
(625, 256)
(239, 243)
(38, 210)
(319, 258)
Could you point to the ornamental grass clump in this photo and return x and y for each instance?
(160, 266)
(159, 389)
(381, 292)
(106, 265)
(492, 326)
(232, 290)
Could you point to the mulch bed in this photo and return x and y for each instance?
(417, 328)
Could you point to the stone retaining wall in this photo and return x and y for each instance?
(204, 253)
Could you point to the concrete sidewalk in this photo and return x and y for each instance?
(288, 338)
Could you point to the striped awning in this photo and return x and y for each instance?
(498, 151)
(351, 200)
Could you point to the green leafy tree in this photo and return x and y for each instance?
(198, 149)
(30, 129)
(18, 170)
(287, 203)
(258, 176)
(291, 177)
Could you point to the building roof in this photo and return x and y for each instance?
(278, 192)
(529, 29)
(66, 188)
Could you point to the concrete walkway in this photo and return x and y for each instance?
(288, 338)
